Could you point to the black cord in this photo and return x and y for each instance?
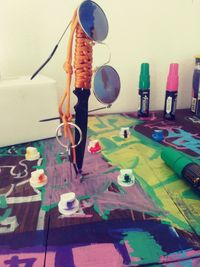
(51, 55)
(57, 118)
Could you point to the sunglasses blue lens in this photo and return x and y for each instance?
(106, 84)
(93, 21)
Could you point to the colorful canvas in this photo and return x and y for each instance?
(155, 222)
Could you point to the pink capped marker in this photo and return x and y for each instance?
(171, 92)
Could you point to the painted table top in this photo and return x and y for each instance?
(155, 222)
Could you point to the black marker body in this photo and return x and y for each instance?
(143, 108)
(170, 105)
(191, 173)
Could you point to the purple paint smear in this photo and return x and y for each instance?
(95, 184)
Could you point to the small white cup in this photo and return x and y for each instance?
(32, 153)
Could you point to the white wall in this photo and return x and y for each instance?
(156, 31)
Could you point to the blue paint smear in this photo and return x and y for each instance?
(98, 232)
(185, 140)
(121, 248)
(112, 231)
(64, 258)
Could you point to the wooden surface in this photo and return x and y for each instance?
(153, 223)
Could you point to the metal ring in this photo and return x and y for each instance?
(75, 126)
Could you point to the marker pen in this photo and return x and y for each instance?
(171, 92)
(144, 91)
(195, 84)
(198, 104)
(183, 166)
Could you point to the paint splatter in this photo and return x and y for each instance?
(144, 247)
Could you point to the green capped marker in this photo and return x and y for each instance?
(144, 91)
(183, 166)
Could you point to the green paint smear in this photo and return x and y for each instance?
(43, 207)
(149, 142)
(170, 180)
(106, 213)
(48, 208)
(157, 147)
(3, 205)
(155, 155)
(96, 208)
(19, 151)
(80, 198)
(6, 214)
(91, 133)
(190, 194)
(148, 189)
(118, 139)
(127, 143)
(134, 163)
(108, 144)
(58, 158)
(40, 147)
(112, 121)
(3, 202)
(100, 125)
(144, 246)
(168, 217)
(176, 221)
(112, 169)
